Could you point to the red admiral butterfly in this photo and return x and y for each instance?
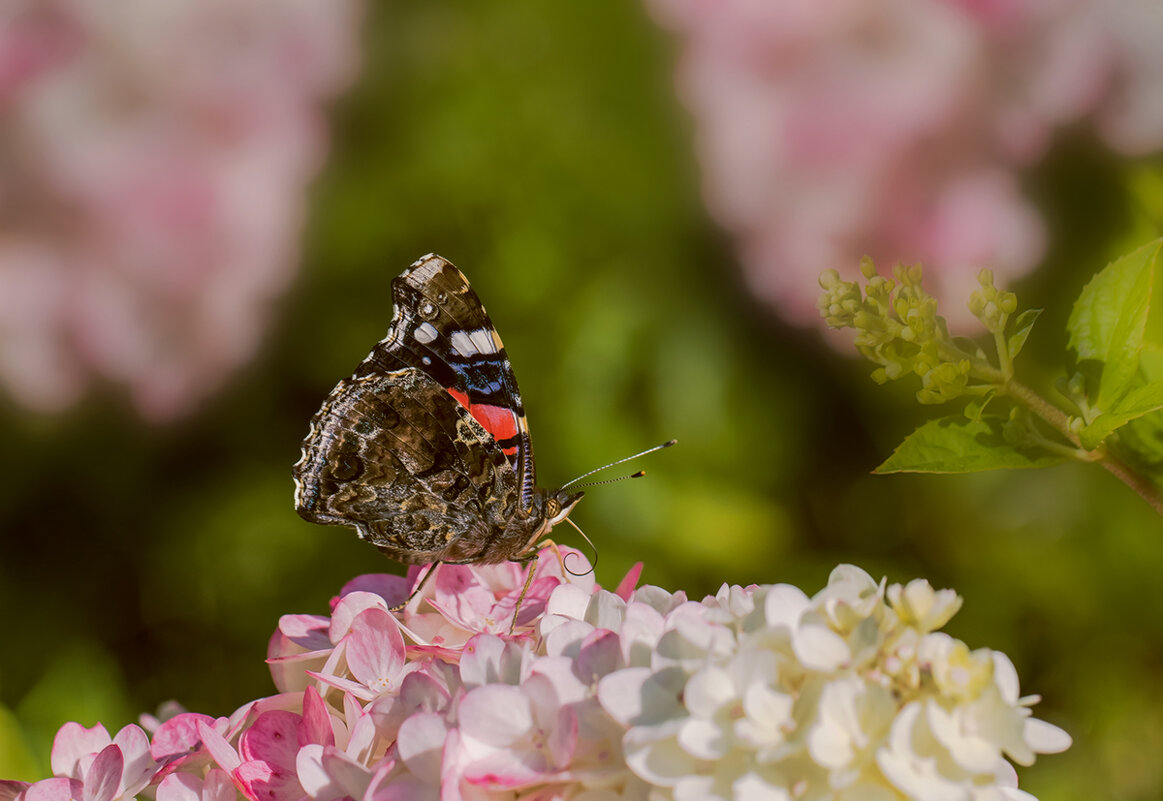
(425, 450)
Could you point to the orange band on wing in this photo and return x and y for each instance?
(497, 420)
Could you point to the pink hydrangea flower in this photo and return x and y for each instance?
(630, 695)
(152, 188)
(831, 130)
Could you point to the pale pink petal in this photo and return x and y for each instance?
(313, 777)
(103, 778)
(419, 692)
(488, 659)
(497, 715)
(600, 655)
(344, 685)
(565, 638)
(562, 741)
(218, 787)
(309, 632)
(178, 735)
(73, 742)
(351, 777)
(139, 764)
(569, 601)
(349, 608)
(362, 738)
(375, 650)
(421, 744)
(263, 781)
(59, 789)
(180, 787)
(290, 671)
(316, 724)
(226, 757)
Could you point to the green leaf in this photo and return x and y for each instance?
(1138, 402)
(959, 445)
(1022, 326)
(1107, 324)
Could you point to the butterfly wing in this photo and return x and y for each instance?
(394, 455)
(441, 327)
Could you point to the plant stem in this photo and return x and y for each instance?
(1058, 419)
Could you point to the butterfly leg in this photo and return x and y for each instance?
(530, 564)
(419, 586)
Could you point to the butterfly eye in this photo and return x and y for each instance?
(553, 508)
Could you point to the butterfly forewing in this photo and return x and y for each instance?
(441, 327)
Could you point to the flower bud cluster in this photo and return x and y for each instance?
(757, 692)
(990, 305)
(898, 328)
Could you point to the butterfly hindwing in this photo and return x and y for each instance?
(393, 454)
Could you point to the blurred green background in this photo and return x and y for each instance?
(539, 148)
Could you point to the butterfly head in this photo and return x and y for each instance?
(558, 506)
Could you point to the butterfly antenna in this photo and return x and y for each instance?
(639, 474)
(593, 548)
(620, 461)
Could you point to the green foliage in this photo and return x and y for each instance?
(898, 328)
(959, 445)
(1107, 325)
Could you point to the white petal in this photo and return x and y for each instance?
(1046, 738)
(755, 788)
(784, 605)
(659, 761)
(819, 648)
(605, 610)
(704, 739)
(568, 601)
(708, 691)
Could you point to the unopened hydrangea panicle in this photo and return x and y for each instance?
(758, 692)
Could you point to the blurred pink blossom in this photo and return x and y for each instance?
(832, 129)
(153, 161)
(634, 695)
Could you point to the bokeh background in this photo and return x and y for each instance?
(202, 211)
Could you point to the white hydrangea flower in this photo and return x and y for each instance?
(763, 692)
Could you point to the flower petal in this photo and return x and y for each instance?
(58, 789)
(375, 650)
(495, 716)
(316, 722)
(421, 744)
(103, 779)
(73, 742)
(178, 735)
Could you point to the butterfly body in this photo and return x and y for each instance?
(425, 449)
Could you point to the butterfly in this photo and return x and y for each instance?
(425, 449)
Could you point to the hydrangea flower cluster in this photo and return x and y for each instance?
(831, 129)
(153, 162)
(759, 692)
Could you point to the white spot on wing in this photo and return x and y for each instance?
(425, 333)
(483, 339)
(463, 344)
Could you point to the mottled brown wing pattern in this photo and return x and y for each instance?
(441, 328)
(394, 455)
